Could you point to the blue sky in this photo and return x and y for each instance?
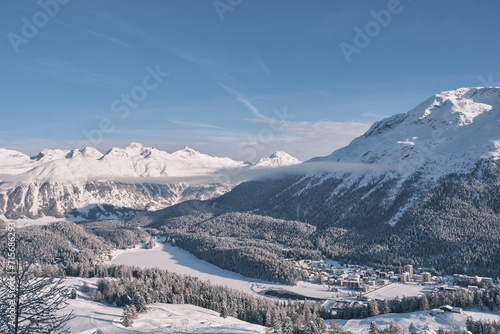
(244, 79)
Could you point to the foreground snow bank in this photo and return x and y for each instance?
(419, 319)
(96, 318)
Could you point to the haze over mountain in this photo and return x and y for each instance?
(93, 185)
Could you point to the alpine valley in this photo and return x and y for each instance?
(420, 187)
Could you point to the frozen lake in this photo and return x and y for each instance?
(181, 262)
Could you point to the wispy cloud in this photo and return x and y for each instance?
(374, 115)
(96, 34)
(216, 71)
(243, 100)
(263, 66)
(69, 72)
(196, 125)
(306, 140)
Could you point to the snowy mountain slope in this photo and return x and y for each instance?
(94, 200)
(133, 161)
(435, 198)
(10, 157)
(88, 184)
(447, 133)
(277, 159)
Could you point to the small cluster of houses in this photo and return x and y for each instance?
(473, 282)
(359, 278)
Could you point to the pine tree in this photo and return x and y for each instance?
(85, 287)
(374, 328)
(73, 294)
(128, 316)
(336, 328)
(411, 327)
(320, 325)
(224, 312)
(393, 328)
(311, 328)
(424, 303)
(316, 326)
(373, 308)
(287, 326)
(139, 303)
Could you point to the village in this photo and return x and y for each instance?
(354, 284)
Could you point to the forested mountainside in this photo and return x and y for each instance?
(433, 201)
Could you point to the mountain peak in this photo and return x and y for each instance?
(49, 155)
(135, 146)
(87, 152)
(457, 107)
(277, 159)
(448, 132)
(188, 150)
(8, 157)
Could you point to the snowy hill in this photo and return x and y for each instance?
(94, 317)
(277, 159)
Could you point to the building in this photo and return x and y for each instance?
(409, 269)
(383, 282)
(352, 281)
(436, 311)
(404, 277)
(465, 280)
(426, 277)
(448, 308)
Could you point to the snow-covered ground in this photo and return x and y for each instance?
(97, 318)
(179, 261)
(420, 319)
(399, 290)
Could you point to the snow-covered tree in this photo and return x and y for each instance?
(129, 314)
(287, 326)
(374, 328)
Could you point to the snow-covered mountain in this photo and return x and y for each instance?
(88, 184)
(424, 188)
(277, 159)
(447, 133)
(9, 157)
(452, 132)
(89, 164)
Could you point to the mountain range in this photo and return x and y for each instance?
(422, 187)
(86, 184)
